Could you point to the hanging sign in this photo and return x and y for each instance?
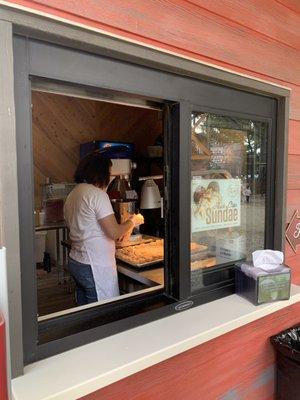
(292, 232)
(216, 203)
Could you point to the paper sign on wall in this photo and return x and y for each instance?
(216, 203)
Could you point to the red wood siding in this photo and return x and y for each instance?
(236, 366)
(294, 137)
(254, 37)
(188, 27)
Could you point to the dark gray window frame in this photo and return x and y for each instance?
(99, 44)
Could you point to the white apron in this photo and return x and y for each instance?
(105, 276)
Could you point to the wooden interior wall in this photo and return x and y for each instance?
(254, 37)
(62, 123)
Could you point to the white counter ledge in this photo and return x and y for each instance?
(118, 356)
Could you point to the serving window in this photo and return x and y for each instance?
(228, 194)
(68, 123)
(210, 150)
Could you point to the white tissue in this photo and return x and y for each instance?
(267, 260)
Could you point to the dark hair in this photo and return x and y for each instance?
(93, 168)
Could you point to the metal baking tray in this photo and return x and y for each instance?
(139, 265)
(146, 239)
(195, 255)
(143, 239)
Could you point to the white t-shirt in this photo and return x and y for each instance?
(84, 207)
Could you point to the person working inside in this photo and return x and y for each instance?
(93, 231)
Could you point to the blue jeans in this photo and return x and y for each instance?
(84, 280)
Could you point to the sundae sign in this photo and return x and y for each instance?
(216, 203)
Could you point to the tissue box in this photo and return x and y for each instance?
(259, 286)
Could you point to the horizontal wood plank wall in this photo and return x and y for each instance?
(254, 37)
(235, 366)
(62, 123)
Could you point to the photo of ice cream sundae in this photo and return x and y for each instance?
(204, 198)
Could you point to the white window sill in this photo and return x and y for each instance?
(83, 370)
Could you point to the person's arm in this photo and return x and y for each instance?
(114, 230)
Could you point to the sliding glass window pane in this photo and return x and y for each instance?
(228, 198)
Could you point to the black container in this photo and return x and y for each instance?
(287, 346)
(263, 287)
(47, 262)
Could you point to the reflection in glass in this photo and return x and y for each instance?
(228, 194)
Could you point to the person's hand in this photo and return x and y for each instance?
(137, 219)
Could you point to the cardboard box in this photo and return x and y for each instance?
(231, 248)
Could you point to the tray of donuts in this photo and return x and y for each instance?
(142, 255)
(146, 254)
(198, 251)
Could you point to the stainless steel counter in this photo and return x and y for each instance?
(149, 277)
